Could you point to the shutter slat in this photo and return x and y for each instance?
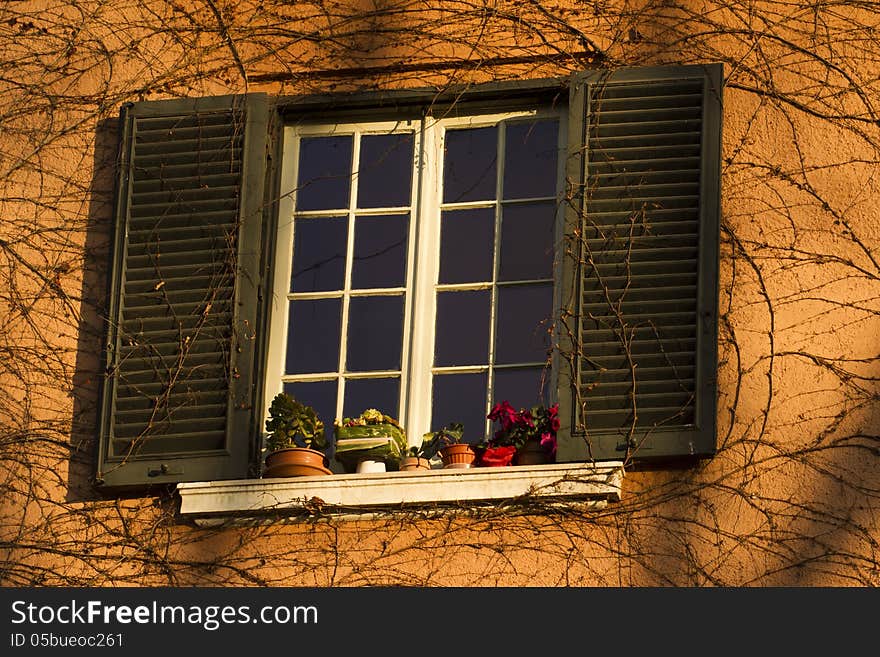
(178, 271)
(183, 129)
(143, 404)
(190, 209)
(204, 220)
(166, 246)
(182, 120)
(149, 391)
(645, 128)
(183, 196)
(648, 88)
(198, 148)
(646, 386)
(657, 400)
(198, 179)
(658, 375)
(636, 293)
(608, 142)
(166, 445)
(155, 298)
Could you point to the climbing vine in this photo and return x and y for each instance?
(791, 497)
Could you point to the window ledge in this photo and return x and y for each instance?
(359, 495)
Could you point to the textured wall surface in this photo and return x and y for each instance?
(791, 498)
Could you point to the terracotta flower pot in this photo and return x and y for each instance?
(532, 454)
(459, 455)
(409, 463)
(296, 462)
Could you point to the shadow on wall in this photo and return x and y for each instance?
(89, 373)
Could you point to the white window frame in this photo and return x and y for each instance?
(423, 256)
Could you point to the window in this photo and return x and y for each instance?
(549, 239)
(415, 267)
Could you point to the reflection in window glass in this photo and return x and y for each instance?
(319, 254)
(470, 164)
(522, 387)
(320, 395)
(462, 336)
(467, 243)
(324, 172)
(313, 336)
(460, 398)
(527, 241)
(531, 152)
(523, 322)
(385, 171)
(375, 333)
(380, 251)
(381, 394)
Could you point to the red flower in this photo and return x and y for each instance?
(495, 456)
(504, 413)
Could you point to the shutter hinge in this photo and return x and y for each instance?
(165, 469)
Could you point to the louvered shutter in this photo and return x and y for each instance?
(179, 395)
(640, 267)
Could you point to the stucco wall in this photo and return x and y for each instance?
(791, 497)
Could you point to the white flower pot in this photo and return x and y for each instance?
(367, 465)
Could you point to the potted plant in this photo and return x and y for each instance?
(418, 457)
(295, 443)
(448, 442)
(526, 436)
(370, 442)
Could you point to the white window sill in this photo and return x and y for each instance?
(359, 495)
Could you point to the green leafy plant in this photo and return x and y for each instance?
(293, 424)
(434, 441)
(372, 434)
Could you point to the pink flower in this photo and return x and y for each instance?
(548, 442)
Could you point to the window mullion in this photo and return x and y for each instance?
(349, 265)
(496, 257)
(280, 300)
(409, 301)
(426, 225)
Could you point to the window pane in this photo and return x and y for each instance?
(467, 245)
(321, 395)
(531, 151)
(527, 241)
(460, 398)
(313, 336)
(385, 171)
(521, 387)
(469, 164)
(381, 394)
(324, 173)
(380, 251)
(462, 336)
(523, 323)
(375, 333)
(319, 254)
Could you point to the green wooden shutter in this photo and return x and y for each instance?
(179, 396)
(640, 272)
